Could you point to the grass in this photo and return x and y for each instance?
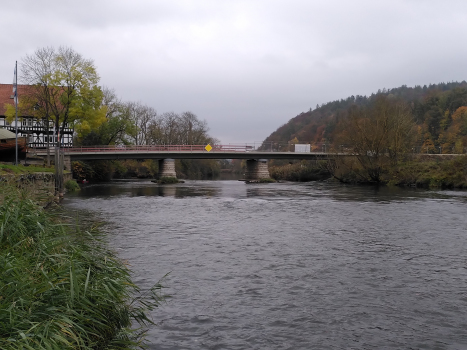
(61, 287)
(21, 169)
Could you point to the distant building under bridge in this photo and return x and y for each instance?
(36, 130)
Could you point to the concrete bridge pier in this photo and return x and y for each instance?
(67, 162)
(257, 169)
(167, 168)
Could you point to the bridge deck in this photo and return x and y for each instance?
(191, 155)
(182, 152)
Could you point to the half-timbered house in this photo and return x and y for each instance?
(35, 129)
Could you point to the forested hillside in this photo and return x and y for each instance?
(438, 113)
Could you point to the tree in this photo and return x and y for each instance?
(63, 88)
(193, 131)
(454, 138)
(36, 70)
(116, 128)
(378, 134)
(174, 129)
(140, 116)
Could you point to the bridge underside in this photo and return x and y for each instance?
(256, 165)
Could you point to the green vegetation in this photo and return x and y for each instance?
(197, 168)
(430, 173)
(168, 180)
(266, 180)
(60, 287)
(427, 171)
(301, 171)
(21, 169)
(72, 186)
(383, 133)
(437, 111)
(62, 90)
(105, 170)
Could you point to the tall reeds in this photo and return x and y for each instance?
(61, 287)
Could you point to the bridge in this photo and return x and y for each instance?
(256, 155)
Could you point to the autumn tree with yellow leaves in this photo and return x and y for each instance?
(62, 87)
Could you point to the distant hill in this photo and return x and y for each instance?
(432, 107)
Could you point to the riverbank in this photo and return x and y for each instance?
(39, 182)
(418, 171)
(60, 285)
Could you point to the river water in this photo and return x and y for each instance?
(293, 266)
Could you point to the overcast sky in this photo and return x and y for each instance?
(246, 67)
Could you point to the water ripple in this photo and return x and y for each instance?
(293, 266)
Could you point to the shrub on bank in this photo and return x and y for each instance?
(448, 173)
(419, 171)
(82, 170)
(168, 180)
(71, 186)
(267, 180)
(60, 287)
(301, 171)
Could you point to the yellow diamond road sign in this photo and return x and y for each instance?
(208, 148)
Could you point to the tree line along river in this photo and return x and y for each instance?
(292, 265)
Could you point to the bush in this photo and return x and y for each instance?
(301, 171)
(431, 173)
(82, 170)
(266, 180)
(60, 287)
(168, 180)
(71, 186)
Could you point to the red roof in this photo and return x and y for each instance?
(6, 91)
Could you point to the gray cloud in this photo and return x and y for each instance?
(246, 66)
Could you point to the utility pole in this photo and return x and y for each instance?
(59, 162)
(15, 99)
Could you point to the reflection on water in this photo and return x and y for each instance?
(146, 188)
(293, 266)
(238, 189)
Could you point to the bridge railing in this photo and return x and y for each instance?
(319, 147)
(161, 148)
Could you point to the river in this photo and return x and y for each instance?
(293, 265)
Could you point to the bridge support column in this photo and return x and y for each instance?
(167, 168)
(257, 169)
(67, 162)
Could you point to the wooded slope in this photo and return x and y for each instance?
(439, 113)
